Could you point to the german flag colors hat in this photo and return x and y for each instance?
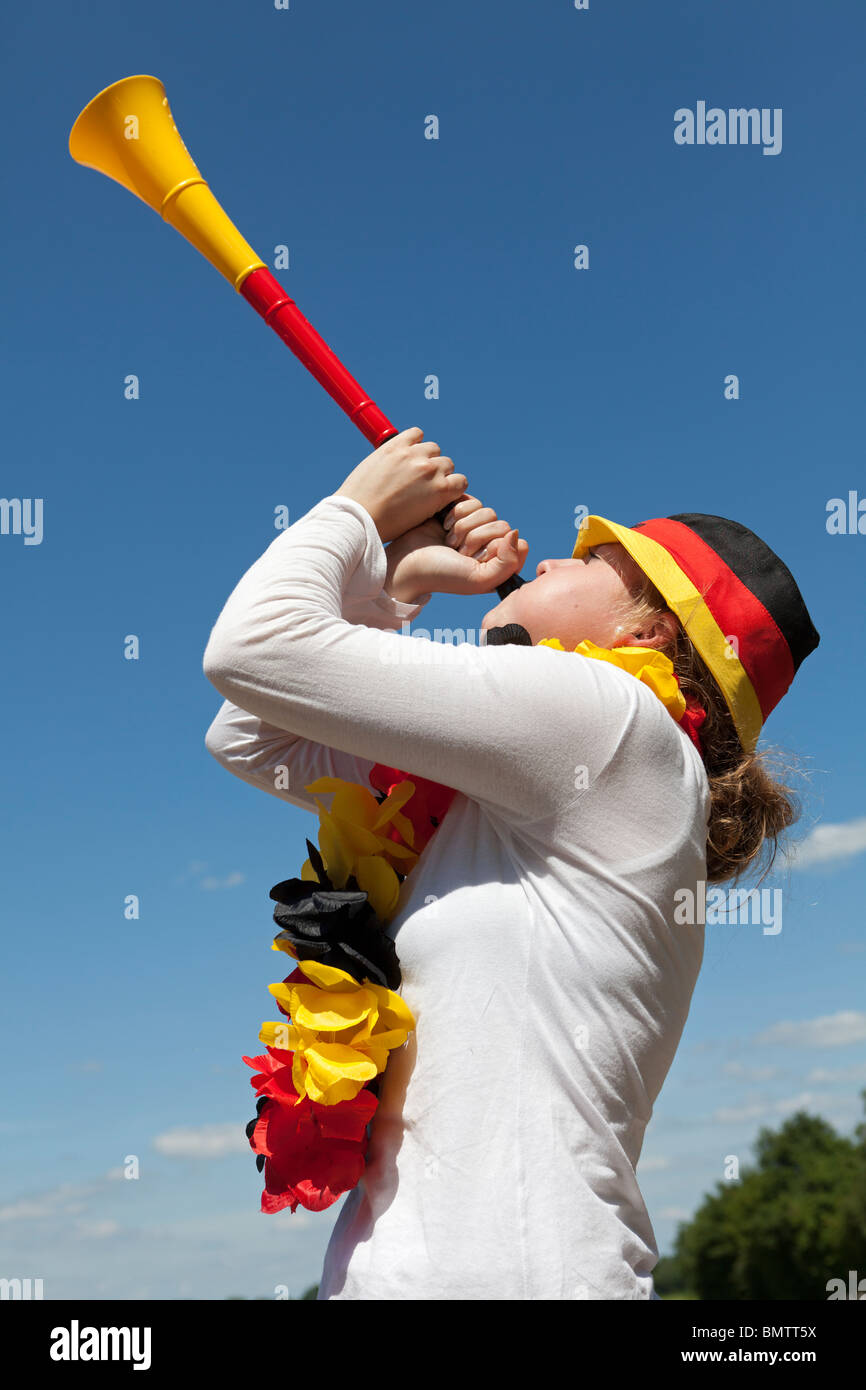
(736, 600)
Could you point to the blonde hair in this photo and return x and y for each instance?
(749, 807)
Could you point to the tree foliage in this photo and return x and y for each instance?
(793, 1221)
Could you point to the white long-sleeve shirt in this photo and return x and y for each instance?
(535, 933)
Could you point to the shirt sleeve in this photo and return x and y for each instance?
(281, 763)
(503, 725)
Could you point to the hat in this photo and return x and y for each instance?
(736, 600)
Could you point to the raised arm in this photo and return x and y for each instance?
(275, 761)
(504, 725)
(281, 763)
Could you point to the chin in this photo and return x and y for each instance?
(494, 618)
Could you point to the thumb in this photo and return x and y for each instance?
(509, 553)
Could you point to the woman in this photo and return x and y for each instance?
(536, 934)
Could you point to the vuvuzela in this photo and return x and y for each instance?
(128, 133)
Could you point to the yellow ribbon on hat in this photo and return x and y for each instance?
(645, 663)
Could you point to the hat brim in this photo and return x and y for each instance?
(691, 609)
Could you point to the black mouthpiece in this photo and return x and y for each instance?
(503, 590)
(510, 634)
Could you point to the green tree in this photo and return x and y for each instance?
(792, 1222)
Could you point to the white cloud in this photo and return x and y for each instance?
(97, 1230)
(69, 1197)
(830, 1030)
(194, 869)
(211, 884)
(857, 1072)
(24, 1210)
(804, 1101)
(675, 1213)
(768, 1109)
(735, 1115)
(829, 843)
(203, 1141)
(176, 1249)
(751, 1073)
(653, 1165)
(157, 1238)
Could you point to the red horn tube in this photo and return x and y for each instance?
(281, 313)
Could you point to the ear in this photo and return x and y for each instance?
(660, 631)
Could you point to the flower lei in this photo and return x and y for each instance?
(317, 1082)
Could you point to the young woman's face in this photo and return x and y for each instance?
(574, 600)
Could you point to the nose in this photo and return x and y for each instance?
(544, 566)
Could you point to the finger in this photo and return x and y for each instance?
(505, 554)
(450, 487)
(501, 558)
(464, 529)
(464, 506)
(469, 547)
(472, 539)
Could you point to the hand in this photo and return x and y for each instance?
(403, 482)
(480, 552)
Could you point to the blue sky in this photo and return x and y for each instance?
(558, 388)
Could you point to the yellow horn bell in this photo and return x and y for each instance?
(128, 133)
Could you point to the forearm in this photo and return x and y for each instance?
(276, 761)
(464, 716)
(403, 590)
(280, 762)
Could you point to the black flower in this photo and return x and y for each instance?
(337, 927)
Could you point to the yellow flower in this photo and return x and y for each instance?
(352, 842)
(340, 1032)
(645, 663)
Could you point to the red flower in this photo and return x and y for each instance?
(312, 1153)
(425, 809)
(693, 718)
(275, 1078)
